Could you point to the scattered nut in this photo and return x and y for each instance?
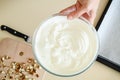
(3, 72)
(11, 77)
(7, 57)
(30, 60)
(2, 58)
(21, 53)
(18, 70)
(37, 75)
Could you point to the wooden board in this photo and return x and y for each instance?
(12, 48)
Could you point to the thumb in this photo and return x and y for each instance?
(68, 10)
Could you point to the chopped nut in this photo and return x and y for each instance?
(35, 61)
(30, 66)
(21, 53)
(30, 60)
(18, 70)
(36, 66)
(4, 65)
(13, 63)
(3, 72)
(40, 67)
(37, 75)
(3, 79)
(7, 57)
(22, 76)
(11, 77)
(26, 76)
(0, 71)
(2, 58)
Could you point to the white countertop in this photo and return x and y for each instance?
(26, 15)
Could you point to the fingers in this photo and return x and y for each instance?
(74, 11)
(92, 16)
(77, 10)
(76, 14)
(68, 10)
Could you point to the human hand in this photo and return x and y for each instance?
(84, 8)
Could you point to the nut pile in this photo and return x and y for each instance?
(18, 70)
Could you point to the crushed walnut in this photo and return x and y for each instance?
(18, 70)
(21, 53)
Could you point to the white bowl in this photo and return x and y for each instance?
(87, 58)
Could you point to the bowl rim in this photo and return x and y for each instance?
(69, 75)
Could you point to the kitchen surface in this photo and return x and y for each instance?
(26, 15)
